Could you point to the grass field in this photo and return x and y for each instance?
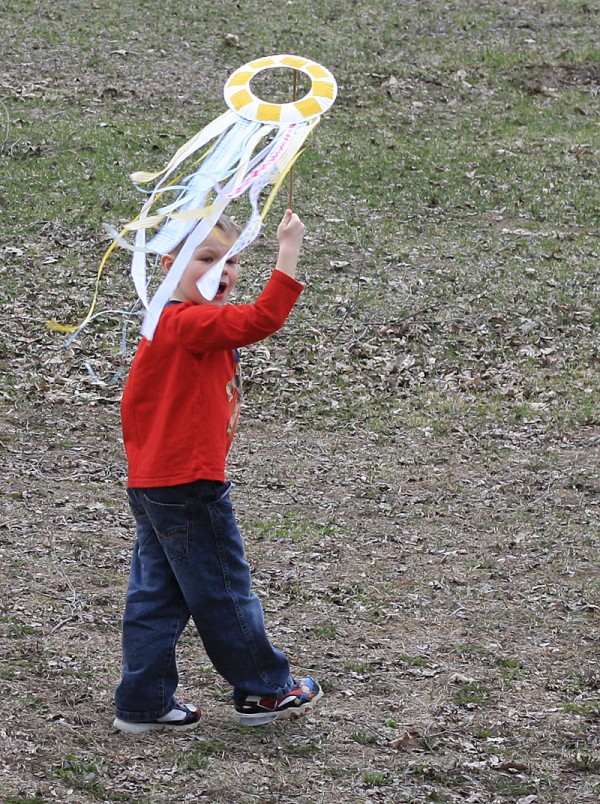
(417, 468)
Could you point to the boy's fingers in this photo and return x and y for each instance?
(289, 215)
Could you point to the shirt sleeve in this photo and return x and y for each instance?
(206, 328)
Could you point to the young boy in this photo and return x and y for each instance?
(179, 411)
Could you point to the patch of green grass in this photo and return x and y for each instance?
(509, 664)
(510, 669)
(341, 773)
(511, 788)
(469, 649)
(471, 695)
(72, 767)
(328, 631)
(414, 661)
(376, 779)
(291, 526)
(196, 757)
(586, 762)
(356, 667)
(29, 701)
(364, 738)
(84, 775)
(587, 709)
(310, 749)
(295, 591)
(428, 772)
(19, 630)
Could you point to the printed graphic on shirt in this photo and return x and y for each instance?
(234, 396)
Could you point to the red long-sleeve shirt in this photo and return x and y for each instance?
(182, 396)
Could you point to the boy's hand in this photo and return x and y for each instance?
(289, 233)
(291, 230)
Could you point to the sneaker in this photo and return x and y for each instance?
(182, 717)
(256, 711)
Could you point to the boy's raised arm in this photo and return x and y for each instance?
(289, 233)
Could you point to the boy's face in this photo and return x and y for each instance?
(209, 252)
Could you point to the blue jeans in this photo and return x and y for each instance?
(189, 561)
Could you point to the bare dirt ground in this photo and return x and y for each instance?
(459, 656)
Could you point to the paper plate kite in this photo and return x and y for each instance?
(252, 145)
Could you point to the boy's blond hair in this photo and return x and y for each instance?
(224, 224)
(227, 226)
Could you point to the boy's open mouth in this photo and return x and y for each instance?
(221, 289)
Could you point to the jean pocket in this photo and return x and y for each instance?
(170, 523)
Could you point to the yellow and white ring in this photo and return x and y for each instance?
(244, 102)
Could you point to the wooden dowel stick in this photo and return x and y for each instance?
(291, 184)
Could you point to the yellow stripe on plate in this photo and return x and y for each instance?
(240, 99)
(268, 112)
(308, 106)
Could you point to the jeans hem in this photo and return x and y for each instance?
(141, 717)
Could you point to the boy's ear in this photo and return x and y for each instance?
(167, 261)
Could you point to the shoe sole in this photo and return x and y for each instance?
(144, 728)
(293, 713)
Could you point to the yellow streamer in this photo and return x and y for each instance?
(55, 326)
(276, 186)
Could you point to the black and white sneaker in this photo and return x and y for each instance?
(254, 710)
(182, 717)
